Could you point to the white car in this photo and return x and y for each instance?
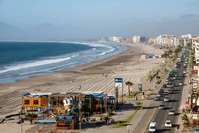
(171, 112)
(152, 127)
(161, 106)
(184, 72)
(180, 84)
(168, 123)
(166, 99)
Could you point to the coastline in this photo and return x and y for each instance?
(126, 65)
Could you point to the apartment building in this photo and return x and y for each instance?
(197, 51)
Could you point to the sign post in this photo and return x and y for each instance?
(140, 87)
(118, 84)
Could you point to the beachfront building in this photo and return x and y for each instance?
(151, 41)
(175, 42)
(111, 39)
(165, 40)
(185, 39)
(194, 40)
(115, 39)
(197, 51)
(35, 101)
(138, 39)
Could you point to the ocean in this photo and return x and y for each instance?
(20, 60)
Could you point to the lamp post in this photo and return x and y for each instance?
(106, 105)
(122, 93)
(20, 111)
(79, 107)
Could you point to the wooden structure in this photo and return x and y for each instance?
(62, 104)
(33, 101)
(96, 102)
(67, 122)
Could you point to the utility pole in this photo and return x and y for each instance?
(106, 104)
(79, 107)
(20, 111)
(122, 93)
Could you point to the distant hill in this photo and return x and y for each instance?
(41, 32)
(10, 32)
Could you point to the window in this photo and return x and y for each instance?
(27, 102)
(36, 102)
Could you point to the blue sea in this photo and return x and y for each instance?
(20, 60)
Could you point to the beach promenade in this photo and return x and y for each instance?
(141, 119)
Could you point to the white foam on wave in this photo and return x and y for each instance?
(51, 64)
(109, 51)
(44, 70)
(36, 63)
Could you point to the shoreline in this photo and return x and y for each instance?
(126, 65)
(56, 60)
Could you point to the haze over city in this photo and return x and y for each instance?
(89, 19)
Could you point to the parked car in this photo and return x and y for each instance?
(159, 94)
(166, 99)
(169, 85)
(171, 112)
(168, 123)
(170, 91)
(157, 98)
(180, 84)
(161, 90)
(161, 106)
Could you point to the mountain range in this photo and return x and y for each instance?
(41, 32)
(91, 30)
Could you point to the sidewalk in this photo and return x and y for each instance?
(185, 93)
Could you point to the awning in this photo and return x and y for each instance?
(46, 121)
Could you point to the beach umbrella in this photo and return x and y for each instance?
(185, 105)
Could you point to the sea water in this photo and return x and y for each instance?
(25, 59)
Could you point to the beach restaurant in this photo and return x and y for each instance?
(35, 101)
(67, 103)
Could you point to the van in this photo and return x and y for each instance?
(152, 127)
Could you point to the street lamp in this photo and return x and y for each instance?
(106, 109)
(79, 107)
(20, 119)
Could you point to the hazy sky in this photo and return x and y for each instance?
(100, 18)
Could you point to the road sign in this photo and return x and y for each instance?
(118, 84)
(140, 87)
(118, 80)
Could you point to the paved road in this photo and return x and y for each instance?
(177, 98)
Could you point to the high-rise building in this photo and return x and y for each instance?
(197, 51)
(136, 39)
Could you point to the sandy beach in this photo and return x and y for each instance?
(92, 77)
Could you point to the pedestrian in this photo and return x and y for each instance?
(136, 97)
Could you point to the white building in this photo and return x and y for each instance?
(136, 39)
(197, 51)
(115, 39)
(186, 36)
(159, 40)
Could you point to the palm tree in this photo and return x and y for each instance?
(129, 83)
(31, 117)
